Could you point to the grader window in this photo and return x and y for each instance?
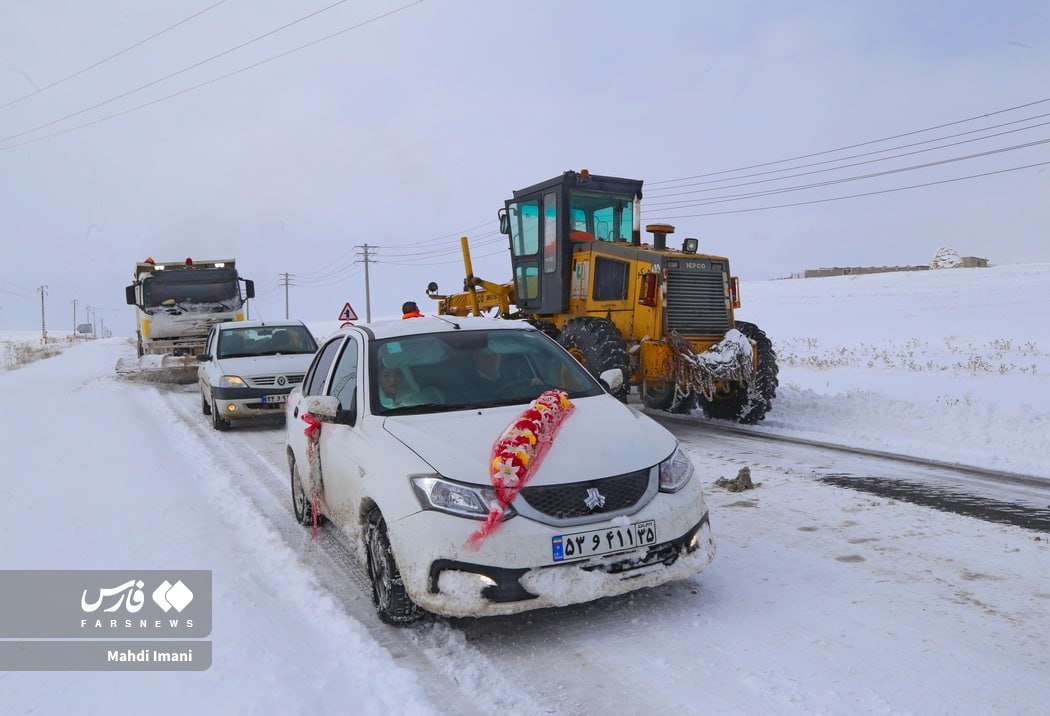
(525, 228)
(550, 233)
(606, 216)
(610, 279)
(526, 281)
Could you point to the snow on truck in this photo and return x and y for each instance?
(176, 303)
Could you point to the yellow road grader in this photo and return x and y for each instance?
(581, 273)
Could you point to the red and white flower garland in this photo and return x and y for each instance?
(517, 454)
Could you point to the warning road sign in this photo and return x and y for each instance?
(347, 314)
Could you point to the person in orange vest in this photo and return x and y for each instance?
(410, 310)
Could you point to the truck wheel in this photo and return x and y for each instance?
(598, 345)
(749, 404)
(388, 590)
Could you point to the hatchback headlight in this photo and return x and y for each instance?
(231, 381)
(675, 471)
(436, 493)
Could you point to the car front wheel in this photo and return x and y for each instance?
(217, 422)
(388, 589)
(304, 512)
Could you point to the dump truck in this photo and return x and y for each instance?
(176, 303)
(664, 316)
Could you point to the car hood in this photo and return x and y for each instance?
(267, 365)
(601, 437)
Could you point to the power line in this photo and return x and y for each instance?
(857, 156)
(204, 84)
(854, 196)
(857, 145)
(872, 175)
(176, 73)
(155, 35)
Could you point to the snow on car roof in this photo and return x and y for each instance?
(260, 324)
(436, 324)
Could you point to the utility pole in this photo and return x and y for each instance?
(368, 294)
(286, 281)
(43, 322)
(91, 319)
(74, 318)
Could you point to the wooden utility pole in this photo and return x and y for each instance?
(43, 322)
(368, 294)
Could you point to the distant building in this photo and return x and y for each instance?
(848, 270)
(943, 259)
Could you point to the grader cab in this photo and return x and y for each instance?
(581, 273)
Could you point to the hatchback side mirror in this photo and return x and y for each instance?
(612, 378)
(323, 407)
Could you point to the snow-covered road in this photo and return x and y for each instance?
(818, 595)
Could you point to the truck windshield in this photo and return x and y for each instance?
(190, 287)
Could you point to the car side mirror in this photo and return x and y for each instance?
(323, 407)
(204, 357)
(612, 378)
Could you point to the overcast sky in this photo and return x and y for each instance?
(132, 129)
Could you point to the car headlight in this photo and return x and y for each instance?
(675, 471)
(436, 493)
(231, 381)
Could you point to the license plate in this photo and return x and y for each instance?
(275, 398)
(603, 541)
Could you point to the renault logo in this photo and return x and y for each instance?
(281, 380)
(594, 499)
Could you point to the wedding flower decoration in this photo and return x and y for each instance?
(518, 452)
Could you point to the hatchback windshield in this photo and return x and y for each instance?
(470, 369)
(265, 341)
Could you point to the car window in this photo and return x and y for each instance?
(344, 377)
(251, 341)
(471, 369)
(319, 370)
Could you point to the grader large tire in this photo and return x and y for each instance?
(547, 327)
(749, 404)
(664, 398)
(598, 345)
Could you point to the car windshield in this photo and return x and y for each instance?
(265, 341)
(469, 370)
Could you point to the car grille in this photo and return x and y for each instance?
(566, 502)
(697, 301)
(265, 381)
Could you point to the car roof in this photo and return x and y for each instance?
(395, 328)
(260, 324)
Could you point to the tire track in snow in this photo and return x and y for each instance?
(458, 678)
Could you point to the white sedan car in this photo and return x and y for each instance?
(249, 367)
(491, 475)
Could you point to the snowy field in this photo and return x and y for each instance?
(820, 600)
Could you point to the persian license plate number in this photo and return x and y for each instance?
(271, 399)
(603, 541)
